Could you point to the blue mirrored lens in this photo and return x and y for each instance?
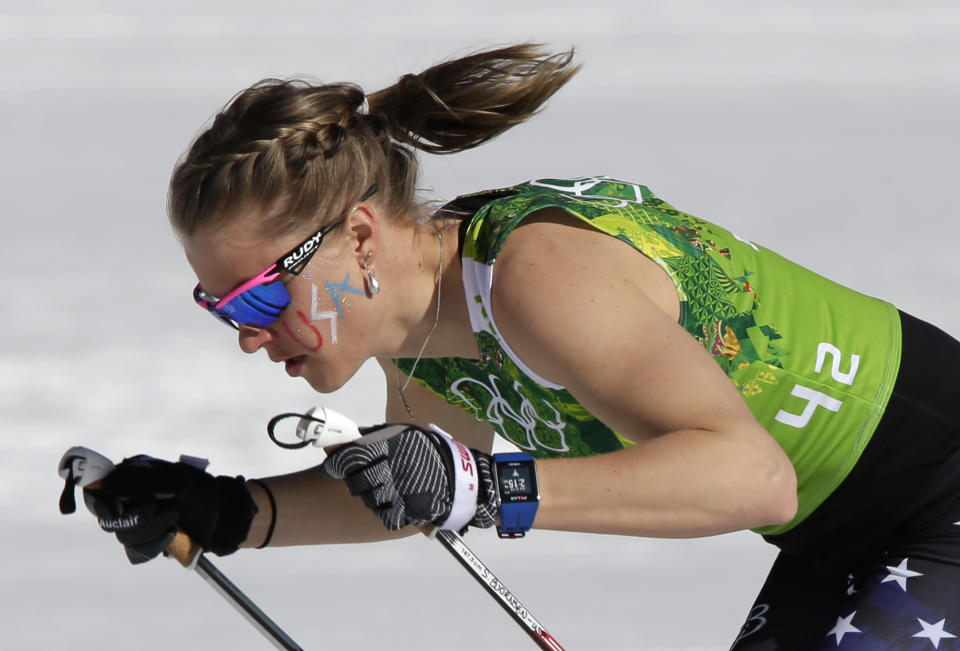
(259, 306)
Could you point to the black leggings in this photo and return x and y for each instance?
(878, 565)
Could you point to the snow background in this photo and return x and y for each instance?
(824, 129)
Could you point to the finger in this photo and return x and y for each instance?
(100, 504)
(397, 515)
(147, 528)
(351, 459)
(393, 516)
(380, 497)
(424, 508)
(370, 478)
(143, 552)
(144, 478)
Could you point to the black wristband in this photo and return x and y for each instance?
(273, 511)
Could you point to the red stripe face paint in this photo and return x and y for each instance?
(309, 324)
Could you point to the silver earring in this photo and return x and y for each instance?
(372, 283)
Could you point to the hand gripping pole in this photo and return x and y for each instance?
(83, 467)
(312, 428)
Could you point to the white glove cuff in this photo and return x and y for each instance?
(465, 483)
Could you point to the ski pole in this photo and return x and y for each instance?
(81, 466)
(455, 545)
(189, 554)
(336, 429)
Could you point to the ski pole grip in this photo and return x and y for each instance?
(184, 549)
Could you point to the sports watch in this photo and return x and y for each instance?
(518, 493)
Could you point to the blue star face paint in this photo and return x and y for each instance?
(337, 291)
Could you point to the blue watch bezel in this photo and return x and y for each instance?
(516, 517)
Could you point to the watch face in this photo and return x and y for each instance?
(516, 481)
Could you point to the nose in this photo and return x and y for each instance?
(252, 339)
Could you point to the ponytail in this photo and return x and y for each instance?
(463, 103)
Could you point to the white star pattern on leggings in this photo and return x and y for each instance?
(844, 626)
(933, 632)
(900, 574)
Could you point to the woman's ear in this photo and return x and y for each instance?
(364, 237)
(362, 229)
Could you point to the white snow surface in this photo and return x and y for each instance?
(825, 130)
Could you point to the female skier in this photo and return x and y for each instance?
(662, 376)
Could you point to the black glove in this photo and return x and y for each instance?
(145, 501)
(411, 476)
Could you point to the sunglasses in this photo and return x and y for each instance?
(260, 301)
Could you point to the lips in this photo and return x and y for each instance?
(294, 365)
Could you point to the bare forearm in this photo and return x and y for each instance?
(684, 484)
(313, 510)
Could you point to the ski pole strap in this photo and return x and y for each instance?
(465, 483)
